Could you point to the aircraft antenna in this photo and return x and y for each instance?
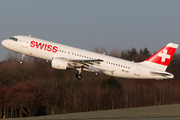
(30, 35)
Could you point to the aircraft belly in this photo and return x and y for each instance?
(136, 71)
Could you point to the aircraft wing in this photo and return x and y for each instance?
(97, 70)
(84, 63)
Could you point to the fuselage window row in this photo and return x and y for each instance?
(92, 59)
(76, 54)
(117, 65)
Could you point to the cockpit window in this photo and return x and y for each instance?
(12, 38)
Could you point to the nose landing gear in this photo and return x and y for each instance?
(22, 57)
(20, 62)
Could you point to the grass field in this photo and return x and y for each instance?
(165, 112)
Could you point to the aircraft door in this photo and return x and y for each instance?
(25, 42)
(137, 71)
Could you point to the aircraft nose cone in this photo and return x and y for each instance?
(4, 43)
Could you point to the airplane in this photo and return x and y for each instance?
(63, 57)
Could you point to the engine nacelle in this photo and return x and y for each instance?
(59, 64)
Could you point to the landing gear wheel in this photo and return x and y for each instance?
(78, 76)
(20, 62)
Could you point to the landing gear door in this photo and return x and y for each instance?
(138, 70)
(25, 42)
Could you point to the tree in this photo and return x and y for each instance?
(101, 50)
(24, 96)
(115, 53)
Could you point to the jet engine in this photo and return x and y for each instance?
(59, 64)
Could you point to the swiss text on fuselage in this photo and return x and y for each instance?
(44, 46)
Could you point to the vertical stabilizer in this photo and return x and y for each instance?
(161, 59)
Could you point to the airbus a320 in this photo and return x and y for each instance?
(63, 57)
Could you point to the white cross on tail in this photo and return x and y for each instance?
(164, 56)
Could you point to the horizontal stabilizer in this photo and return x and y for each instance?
(163, 74)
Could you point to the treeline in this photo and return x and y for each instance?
(35, 89)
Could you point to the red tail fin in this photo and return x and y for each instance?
(161, 59)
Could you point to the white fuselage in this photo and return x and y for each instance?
(110, 66)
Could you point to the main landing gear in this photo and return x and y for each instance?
(22, 57)
(78, 75)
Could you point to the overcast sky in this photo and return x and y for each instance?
(86, 24)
